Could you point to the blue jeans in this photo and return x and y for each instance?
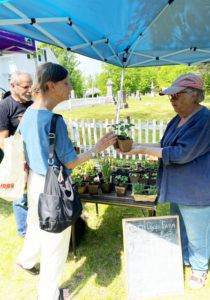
(195, 234)
(20, 210)
(174, 210)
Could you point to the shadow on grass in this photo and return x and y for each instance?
(5, 208)
(102, 250)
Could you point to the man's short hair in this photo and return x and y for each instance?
(15, 76)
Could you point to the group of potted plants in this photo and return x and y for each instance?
(140, 192)
(116, 175)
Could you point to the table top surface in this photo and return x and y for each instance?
(113, 199)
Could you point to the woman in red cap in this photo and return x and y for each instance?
(184, 171)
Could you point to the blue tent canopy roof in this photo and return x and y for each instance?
(125, 33)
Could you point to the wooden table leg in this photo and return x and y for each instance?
(97, 209)
(152, 213)
(73, 233)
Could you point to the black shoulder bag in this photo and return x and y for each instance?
(59, 206)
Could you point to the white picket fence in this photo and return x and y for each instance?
(80, 103)
(86, 133)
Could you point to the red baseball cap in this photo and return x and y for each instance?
(182, 82)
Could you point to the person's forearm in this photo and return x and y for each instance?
(151, 144)
(137, 148)
(81, 158)
(106, 141)
(154, 151)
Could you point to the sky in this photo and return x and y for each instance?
(89, 66)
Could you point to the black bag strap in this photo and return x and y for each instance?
(52, 138)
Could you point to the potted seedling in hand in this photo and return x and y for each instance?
(124, 142)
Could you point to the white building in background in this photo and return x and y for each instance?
(19, 61)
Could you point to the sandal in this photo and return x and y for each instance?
(32, 271)
(63, 294)
(197, 280)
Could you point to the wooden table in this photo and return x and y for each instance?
(113, 199)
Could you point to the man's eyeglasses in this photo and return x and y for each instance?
(26, 87)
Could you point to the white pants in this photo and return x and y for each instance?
(50, 248)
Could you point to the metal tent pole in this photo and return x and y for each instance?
(120, 98)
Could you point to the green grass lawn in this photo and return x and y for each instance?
(99, 272)
(148, 108)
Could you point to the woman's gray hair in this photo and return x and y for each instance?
(200, 93)
(48, 72)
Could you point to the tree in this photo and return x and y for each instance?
(134, 79)
(100, 82)
(69, 61)
(167, 74)
(203, 70)
(89, 81)
(147, 76)
(142, 78)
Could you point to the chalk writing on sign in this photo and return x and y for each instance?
(153, 257)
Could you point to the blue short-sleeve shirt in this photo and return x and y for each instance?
(34, 128)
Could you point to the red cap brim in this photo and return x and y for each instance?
(172, 90)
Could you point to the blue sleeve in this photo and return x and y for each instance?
(193, 143)
(63, 146)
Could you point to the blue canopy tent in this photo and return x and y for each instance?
(125, 33)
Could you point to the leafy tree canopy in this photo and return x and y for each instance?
(142, 78)
(69, 61)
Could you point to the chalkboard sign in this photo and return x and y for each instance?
(153, 257)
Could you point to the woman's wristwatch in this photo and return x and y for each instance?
(92, 152)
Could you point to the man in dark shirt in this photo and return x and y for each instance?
(12, 109)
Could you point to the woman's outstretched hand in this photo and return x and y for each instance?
(150, 149)
(136, 149)
(106, 141)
